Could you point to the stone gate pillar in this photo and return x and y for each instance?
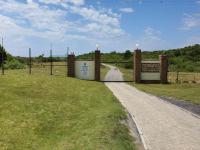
(97, 59)
(137, 66)
(71, 65)
(163, 69)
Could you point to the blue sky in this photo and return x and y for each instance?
(113, 24)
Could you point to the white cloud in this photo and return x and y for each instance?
(38, 18)
(151, 33)
(92, 14)
(151, 40)
(198, 2)
(101, 22)
(75, 2)
(192, 40)
(127, 10)
(191, 21)
(101, 31)
(44, 18)
(50, 1)
(30, 21)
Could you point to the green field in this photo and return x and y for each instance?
(187, 92)
(42, 112)
(127, 74)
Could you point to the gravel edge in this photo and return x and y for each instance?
(194, 108)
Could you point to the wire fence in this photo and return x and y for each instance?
(184, 77)
(58, 66)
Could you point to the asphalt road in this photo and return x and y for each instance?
(164, 126)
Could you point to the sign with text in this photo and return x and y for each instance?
(84, 70)
(150, 70)
(150, 66)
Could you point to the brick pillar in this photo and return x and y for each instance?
(163, 69)
(71, 65)
(97, 59)
(137, 66)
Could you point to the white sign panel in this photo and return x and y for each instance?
(150, 75)
(84, 70)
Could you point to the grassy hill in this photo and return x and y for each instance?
(183, 59)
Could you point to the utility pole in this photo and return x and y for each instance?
(30, 61)
(51, 59)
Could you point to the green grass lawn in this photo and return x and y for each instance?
(42, 112)
(127, 74)
(187, 92)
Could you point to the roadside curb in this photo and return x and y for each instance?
(141, 135)
(133, 119)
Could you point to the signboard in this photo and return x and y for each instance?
(150, 70)
(85, 70)
(150, 66)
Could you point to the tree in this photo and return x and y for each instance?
(40, 58)
(179, 65)
(127, 54)
(2, 53)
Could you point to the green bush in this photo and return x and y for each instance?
(14, 64)
(128, 65)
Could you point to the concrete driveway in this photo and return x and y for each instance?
(113, 74)
(164, 126)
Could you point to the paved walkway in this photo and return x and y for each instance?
(113, 74)
(164, 126)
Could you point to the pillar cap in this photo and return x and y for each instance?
(163, 56)
(71, 54)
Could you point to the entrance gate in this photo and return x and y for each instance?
(140, 72)
(104, 71)
(117, 71)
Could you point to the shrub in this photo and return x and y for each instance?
(128, 65)
(189, 67)
(14, 64)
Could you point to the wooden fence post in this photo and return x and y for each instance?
(51, 65)
(30, 61)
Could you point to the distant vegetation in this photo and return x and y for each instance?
(40, 59)
(182, 59)
(185, 59)
(9, 61)
(18, 62)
